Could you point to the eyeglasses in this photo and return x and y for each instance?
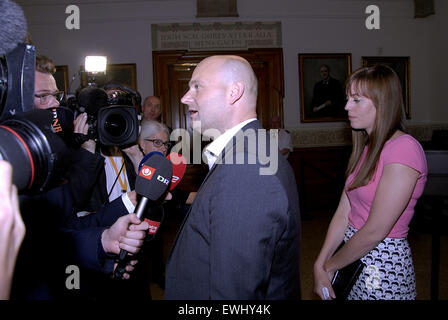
(158, 143)
(45, 97)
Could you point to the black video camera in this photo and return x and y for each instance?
(111, 115)
(33, 141)
(17, 80)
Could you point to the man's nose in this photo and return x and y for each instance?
(186, 99)
(54, 103)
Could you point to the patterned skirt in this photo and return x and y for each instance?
(389, 272)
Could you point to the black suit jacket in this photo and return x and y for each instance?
(241, 237)
(56, 238)
(331, 90)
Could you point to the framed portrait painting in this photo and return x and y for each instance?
(124, 74)
(401, 65)
(322, 79)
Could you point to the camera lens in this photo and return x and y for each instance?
(38, 155)
(115, 124)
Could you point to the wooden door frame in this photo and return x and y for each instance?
(274, 58)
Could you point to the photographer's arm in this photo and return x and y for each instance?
(86, 166)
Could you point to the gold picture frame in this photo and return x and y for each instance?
(124, 74)
(61, 77)
(323, 100)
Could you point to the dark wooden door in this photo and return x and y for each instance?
(173, 70)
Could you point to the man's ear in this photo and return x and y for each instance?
(236, 91)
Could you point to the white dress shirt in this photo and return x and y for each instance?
(214, 149)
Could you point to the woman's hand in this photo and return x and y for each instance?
(322, 279)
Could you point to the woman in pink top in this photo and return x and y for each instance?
(386, 175)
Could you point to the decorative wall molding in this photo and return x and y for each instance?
(320, 137)
(341, 136)
(216, 35)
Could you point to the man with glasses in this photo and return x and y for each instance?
(46, 93)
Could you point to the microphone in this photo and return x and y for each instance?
(178, 162)
(12, 27)
(146, 157)
(179, 166)
(151, 183)
(155, 217)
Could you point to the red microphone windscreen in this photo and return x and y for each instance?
(179, 166)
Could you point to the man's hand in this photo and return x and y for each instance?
(12, 229)
(127, 233)
(323, 105)
(129, 268)
(81, 126)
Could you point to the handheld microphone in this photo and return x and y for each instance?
(155, 217)
(151, 183)
(146, 157)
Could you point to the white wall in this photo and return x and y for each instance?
(121, 30)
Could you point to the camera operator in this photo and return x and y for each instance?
(117, 177)
(46, 93)
(86, 163)
(12, 229)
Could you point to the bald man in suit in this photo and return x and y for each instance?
(241, 237)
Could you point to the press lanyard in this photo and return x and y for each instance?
(124, 185)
